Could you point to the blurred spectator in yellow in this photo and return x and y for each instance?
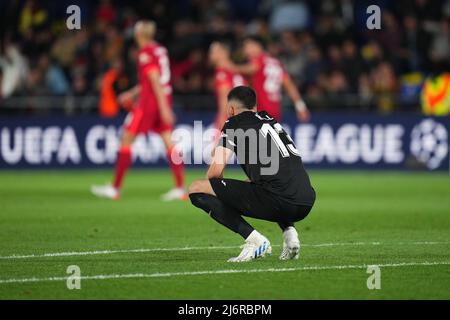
(32, 16)
(436, 95)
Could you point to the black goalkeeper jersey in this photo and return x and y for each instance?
(268, 156)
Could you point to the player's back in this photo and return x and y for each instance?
(267, 82)
(151, 57)
(268, 156)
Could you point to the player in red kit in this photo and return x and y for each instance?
(225, 79)
(268, 78)
(152, 112)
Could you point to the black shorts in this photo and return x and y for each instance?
(252, 200)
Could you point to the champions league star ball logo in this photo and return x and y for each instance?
(429, 143)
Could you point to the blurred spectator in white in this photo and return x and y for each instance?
(14, 68)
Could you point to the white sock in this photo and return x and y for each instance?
(290, 233)
(254, 237)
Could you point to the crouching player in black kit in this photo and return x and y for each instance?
(278, 189)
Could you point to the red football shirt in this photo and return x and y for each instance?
(153, 57)
(267, 82)
(226, 78)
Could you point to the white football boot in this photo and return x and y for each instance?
(106, 191)
(175, 194)
(256, 246)
(291, 244)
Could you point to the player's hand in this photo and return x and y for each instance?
(167, 116)
(304, 115)
(125, 98)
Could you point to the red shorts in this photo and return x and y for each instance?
(140, 121)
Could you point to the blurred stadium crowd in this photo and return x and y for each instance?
(325, 45)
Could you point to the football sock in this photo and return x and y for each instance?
(285, 225)
(176, 165)
(122, 165)
(222, 213)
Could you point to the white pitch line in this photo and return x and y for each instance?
(226, 271)
(147, 250)
(98, 252)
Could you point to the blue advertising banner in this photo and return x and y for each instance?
(328, 141)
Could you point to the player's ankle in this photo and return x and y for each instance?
(255, 237)
(290, 233)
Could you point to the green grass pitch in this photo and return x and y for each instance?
(139, 247)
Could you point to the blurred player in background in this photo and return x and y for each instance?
(152, 112)
(268, 77)
(225, 79)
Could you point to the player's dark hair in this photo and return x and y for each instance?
(246, 96)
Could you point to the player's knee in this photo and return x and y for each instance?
(127, 139)
(193, 187)
(196, 187)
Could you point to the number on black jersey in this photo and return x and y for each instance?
(282, 140)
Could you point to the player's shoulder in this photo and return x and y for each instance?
(264, 116)
(230, 123)
(245, 119)
(267, 58)
(258, 60)
(144, 56)
(222, 75)
(159, 49)
(239, 121)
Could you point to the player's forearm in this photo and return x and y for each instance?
(292, 91)
(213, 172)
(126, 98)
(218, 162)
(135, 91)
(295, 96)
(223, 103)
(163, 104)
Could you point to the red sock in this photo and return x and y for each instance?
(176, 165)
(122, 165)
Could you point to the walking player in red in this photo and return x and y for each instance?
(225, 79)
(268, 77)
(152, 112)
